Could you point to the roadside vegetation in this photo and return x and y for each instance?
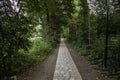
(26, 60)
(87, 32)
(29, 30)
(39, 50)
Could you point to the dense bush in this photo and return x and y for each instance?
(87, 32)
(37, 52)
(25, 59)
(40, 48)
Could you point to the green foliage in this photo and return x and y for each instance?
(65, 33)
(83, 26)
(15, 30)
(87, 33)
(114, 49)
(25, 59)
(14, 33)
(40, 48)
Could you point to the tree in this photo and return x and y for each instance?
(14, 33)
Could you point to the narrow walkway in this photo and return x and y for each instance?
(65, 67)
(60, 66)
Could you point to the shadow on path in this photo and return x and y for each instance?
(86, 70)
(45, 70)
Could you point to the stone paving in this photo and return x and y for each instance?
(65, 67)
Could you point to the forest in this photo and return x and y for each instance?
(30, 29)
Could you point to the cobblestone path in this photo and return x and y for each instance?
(65, 66)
